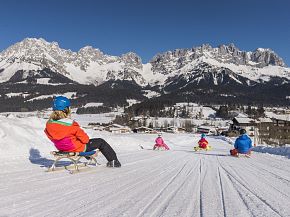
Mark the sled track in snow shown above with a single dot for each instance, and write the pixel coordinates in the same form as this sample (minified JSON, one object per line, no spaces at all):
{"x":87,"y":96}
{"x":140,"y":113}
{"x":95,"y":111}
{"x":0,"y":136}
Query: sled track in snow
{"x":222,"y":192}
{"x":127,"y":187}
{"x":239,"y":182}
{"x":270,"y":172}
{"x":164,"y":204}
{"x":151,"y":183}
{"x":200,"y":187}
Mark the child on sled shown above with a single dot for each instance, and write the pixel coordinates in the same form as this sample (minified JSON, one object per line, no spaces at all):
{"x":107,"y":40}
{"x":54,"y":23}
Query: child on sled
{"x":159,"y":143}
{"x":243,"y":145}
{"x":67,"y":135}
{"x":202,"y":144}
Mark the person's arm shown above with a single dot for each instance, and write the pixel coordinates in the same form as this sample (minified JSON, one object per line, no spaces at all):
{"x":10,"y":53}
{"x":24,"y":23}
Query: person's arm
{"x":80,"y":134}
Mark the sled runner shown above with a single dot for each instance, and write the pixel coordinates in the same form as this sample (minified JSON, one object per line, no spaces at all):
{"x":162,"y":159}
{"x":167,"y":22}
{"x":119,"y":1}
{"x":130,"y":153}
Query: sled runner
{"x":235,"y":153}
{"x":208,"y":148}
{"x":244,"y":155}
{"x":161,"y":148}
{"x":75,"y":158}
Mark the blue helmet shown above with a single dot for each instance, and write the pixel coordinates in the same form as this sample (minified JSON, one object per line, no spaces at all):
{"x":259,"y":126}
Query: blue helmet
{"x":60,"y":103}
{"x":202,"y":135}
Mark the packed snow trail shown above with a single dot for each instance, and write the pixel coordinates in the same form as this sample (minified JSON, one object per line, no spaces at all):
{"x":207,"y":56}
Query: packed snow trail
{"x":179,"y":182}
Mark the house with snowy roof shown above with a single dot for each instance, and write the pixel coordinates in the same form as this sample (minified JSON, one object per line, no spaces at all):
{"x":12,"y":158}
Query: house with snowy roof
{"x":144,"y":129}
{"x":244,"y":123}
{"x":116,"y":128}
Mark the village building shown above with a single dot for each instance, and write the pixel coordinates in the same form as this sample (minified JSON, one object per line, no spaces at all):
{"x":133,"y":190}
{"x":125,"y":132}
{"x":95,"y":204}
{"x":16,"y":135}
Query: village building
{"x":173,"y":129}
{"x":116,"y":128}
{"x":243,"y":123}
{"x":144,"y":129}
{"x":280,"y":131}
{"x":207,"y":130}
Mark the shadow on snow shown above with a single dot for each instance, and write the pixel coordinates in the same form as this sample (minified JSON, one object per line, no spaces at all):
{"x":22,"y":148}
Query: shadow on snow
{"x":36,"y":158}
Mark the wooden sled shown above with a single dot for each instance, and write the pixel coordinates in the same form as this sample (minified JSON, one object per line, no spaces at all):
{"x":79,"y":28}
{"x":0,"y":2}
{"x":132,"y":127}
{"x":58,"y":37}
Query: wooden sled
{"x":159,"y":148}
{"x":235,"y":153}
{"x":197,"y":148}
{"x":244,"y":155}
{"x":75,"y":158}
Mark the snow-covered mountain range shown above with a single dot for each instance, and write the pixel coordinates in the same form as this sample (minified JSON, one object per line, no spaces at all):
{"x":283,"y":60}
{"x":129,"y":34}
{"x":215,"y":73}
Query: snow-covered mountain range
{"x":26,"y":60}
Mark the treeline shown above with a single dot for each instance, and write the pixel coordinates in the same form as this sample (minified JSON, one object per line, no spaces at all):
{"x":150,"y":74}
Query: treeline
{"x":226,"y":111}
{"x":93,"y":110}
{"x":152,"y":107}
{"x":111,"y":94}
{"x":116,"y":93}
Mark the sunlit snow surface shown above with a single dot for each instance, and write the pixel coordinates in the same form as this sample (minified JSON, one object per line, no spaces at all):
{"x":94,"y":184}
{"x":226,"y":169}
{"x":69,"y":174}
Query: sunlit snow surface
{"x":178,"y":182}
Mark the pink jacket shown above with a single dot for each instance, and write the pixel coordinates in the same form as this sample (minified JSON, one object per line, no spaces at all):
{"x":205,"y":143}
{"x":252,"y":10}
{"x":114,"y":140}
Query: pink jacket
{"x":159,"y":141}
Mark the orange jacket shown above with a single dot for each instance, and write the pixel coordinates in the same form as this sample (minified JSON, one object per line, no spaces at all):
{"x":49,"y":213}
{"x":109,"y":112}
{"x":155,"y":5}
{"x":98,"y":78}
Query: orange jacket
{"x":66,"y":135}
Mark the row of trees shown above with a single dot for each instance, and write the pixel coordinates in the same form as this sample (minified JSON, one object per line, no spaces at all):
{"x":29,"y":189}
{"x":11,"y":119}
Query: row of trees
{"x":225,"y":111}
{"x":110,"y":95}
{"x":93,"y":110}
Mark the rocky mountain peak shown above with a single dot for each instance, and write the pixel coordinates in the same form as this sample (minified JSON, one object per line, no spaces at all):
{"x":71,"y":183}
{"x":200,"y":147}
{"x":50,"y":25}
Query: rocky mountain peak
{"x":88,"y":53}
{"x":132,"y":59}
{"x":223,"y":54}
{"x":266,"y":57}
{"x":90,"y":65}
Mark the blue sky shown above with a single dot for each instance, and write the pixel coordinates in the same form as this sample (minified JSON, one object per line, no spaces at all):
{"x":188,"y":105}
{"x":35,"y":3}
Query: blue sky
{"x":148,"y":27}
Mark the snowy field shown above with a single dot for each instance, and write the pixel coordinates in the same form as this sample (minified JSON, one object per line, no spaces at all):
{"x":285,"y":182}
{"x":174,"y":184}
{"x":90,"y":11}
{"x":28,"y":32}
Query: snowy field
{"x":178,"y":182}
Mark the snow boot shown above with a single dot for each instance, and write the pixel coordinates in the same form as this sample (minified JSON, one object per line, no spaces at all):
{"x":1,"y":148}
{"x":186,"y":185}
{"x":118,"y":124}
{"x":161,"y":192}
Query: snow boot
{"x":114,"y":163}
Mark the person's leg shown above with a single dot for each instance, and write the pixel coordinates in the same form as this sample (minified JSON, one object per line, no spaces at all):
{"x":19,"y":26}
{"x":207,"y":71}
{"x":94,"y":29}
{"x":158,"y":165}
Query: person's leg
{"x":165,"y":146}
{"x":103,"y":146}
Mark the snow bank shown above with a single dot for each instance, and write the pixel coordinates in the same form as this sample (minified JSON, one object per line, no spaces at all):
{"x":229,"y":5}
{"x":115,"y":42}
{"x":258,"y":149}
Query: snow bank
{"x":19,"y":135}
{"x":284,"y":151}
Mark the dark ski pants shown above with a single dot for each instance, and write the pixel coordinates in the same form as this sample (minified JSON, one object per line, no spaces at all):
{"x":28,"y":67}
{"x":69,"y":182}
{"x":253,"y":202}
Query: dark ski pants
{"x":103,"y":146}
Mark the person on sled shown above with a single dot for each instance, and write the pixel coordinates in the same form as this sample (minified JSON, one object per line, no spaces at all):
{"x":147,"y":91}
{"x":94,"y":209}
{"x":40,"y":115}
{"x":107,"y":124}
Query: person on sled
{"x":159,"y":143}
{"x":243,"y":144}
{"x":67,"y":135}
{"x":203,"y":143}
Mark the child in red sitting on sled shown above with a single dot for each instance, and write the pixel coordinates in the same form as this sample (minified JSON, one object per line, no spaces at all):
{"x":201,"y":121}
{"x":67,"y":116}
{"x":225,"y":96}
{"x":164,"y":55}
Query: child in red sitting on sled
{"x":203,"y":143}
{"x":159,"y":143}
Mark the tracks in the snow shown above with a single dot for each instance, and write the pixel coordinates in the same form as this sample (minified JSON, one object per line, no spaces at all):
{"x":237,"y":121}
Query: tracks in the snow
{"x":174,"y":183}
{"x":248,"y":195}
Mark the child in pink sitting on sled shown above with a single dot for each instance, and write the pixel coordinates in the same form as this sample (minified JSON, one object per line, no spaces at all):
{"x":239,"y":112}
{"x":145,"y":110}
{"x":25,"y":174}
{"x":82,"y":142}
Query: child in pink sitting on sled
{"x":159,"y":143}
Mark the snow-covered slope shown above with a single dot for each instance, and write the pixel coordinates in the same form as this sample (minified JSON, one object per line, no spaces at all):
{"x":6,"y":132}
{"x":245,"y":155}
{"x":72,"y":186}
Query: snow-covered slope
{"x":178,"y":182}
{"x":91,"y":66}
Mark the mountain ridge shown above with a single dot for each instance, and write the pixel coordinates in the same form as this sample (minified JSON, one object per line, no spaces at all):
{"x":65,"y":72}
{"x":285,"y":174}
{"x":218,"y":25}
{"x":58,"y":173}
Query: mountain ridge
{"x":91,"y":66}
{"x":33,"y":71}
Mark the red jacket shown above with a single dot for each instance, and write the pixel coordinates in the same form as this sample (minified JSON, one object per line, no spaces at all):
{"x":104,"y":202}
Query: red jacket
{"x":203,"y":143}
{"x":66,"y":135}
